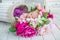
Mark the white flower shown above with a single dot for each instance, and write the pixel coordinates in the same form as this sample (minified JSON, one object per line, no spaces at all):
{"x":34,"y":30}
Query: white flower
{"x":28,"y":19}
{"x":40,"y":21}
{"x":33,"y":23}
{"x":43,"y":18}
{"x":32,"y":19}
{"x":39,"y":17}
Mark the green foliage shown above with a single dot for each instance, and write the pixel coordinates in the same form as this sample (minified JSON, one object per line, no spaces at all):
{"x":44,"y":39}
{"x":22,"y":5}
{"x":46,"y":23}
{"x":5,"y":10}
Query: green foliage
{"x":16,"y":19}
{"x":38,"y":25}
{"x":12,"y":28}
{"x":46,"y":21}
{"x":31,"y":24}
{"x":45,"y":15}
{"x":32,"y":9}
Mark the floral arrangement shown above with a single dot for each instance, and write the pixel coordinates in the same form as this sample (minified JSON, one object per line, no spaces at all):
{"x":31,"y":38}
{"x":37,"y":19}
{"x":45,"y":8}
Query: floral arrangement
{"x":29,"y":23}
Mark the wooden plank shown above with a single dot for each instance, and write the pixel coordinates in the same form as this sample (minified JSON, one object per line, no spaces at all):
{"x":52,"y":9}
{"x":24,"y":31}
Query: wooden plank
{"x":5,"y":34}
{"x":22,"y":38}
{"x":56,"y":32}
{"x":12,"y":36}
{"x":48,"y":36}
{"x":37,"y":38}
{"x":3,"y":29}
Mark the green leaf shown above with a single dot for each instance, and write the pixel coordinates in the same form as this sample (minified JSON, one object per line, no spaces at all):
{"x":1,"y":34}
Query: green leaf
{"x":29,"y":11}
{"x":12,"y":28}
{"x":44,"y":6}
{"x":45,"y":15}
{"x":46,"y":21}
{"x":31,"y":24}
{"x":49,"y":10}
{"x":42,"y":23}
{"x":38,"y":25}
{"x":16,"y":19}
{"x":33,"y":9}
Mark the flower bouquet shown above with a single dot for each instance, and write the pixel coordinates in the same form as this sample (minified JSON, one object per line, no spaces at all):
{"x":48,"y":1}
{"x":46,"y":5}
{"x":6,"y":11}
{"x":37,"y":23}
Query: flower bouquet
{"x":29,"y":23}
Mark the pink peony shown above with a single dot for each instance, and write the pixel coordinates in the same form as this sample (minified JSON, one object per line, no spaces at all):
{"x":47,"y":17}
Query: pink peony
{"x":43,"y":30}
{"x":29,"y":32}
{"x":40,"y":8}
{"x":21,"y":28}
{"x":33,"y":14}
{"x":16,"y":24}
{"x":29,"y":15}
{"x":24,"y":30}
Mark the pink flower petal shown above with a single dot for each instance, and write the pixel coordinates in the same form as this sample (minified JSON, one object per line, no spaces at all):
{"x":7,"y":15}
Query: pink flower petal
{"x":50,"y":16}
{"x":29,"y":32}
